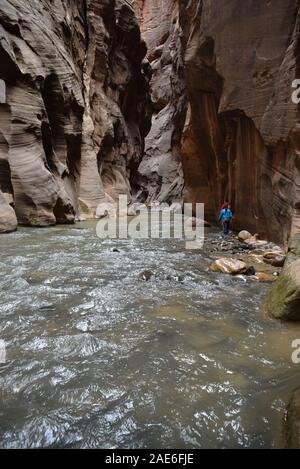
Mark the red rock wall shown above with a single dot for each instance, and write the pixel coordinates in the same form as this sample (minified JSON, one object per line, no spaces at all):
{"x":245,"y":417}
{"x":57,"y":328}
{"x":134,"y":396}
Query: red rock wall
{"x":241,"y":133}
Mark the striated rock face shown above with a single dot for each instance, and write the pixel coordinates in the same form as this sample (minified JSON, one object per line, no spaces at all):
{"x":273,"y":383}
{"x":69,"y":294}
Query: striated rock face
{"x":160,"y":173}
{"x":73,"y":105}
{"x":116,"y":81}
{"x":235,"y":129}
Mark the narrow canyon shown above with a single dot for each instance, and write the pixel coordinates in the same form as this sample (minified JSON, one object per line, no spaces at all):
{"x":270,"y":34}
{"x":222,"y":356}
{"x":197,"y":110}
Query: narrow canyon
{"x":197,"y":108}
{"x":143,"y":343}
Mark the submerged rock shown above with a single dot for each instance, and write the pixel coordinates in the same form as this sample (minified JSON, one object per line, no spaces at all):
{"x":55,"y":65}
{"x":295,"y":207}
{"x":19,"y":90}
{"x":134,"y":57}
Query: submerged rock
{"x":283,"y":301}
{"x":175,"y":278}
{"x":292,"y":422}
{"x":146,"y":275}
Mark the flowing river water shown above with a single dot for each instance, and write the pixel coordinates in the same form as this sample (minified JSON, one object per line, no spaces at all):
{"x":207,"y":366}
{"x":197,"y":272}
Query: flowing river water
{"x":97,"y":358}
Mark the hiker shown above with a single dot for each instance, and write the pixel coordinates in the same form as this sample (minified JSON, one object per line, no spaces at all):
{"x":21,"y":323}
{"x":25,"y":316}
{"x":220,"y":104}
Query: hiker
{"x":225,"y":218}
{"x":224,"y":205}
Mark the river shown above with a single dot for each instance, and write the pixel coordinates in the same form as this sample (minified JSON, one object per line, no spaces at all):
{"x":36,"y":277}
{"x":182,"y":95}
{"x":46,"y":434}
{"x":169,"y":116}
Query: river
{"x":97,"y":358}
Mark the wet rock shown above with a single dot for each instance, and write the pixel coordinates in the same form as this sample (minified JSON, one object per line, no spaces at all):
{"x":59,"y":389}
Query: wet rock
{"x":246,"y":247}
{"x":293,"y":249}
{"x":250,"y":271}
{"x":292,"y":422}
{"x":283,"y":302}
{"x":244,"y":235}
{"x":255,"y":242}
{"x":258,"y":252}
{"x":146,"y":275}
{"x":8,"y":219}
{"x":264,"y":277}
{"x":278,"y":261}
{"x":272,"y":258}
{"x":229,"y":266}
{"x":116,"y":250}
{"x":175,"y":278}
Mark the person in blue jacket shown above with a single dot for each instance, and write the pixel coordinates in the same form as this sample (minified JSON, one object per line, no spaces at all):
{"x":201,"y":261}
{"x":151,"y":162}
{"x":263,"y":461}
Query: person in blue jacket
{"x":225,"y":218}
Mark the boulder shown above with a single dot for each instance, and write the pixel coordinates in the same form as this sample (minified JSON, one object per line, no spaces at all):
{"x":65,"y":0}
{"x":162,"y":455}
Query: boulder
{"x":252,"y":240}
{"x":8,"y":219}
{"x":283,"y":302}
{"x":293,"y":249}
{"x":229,"y":266}
{"x":278,"y":261}
{"x":263,"y":277}
{"x":274,"y":259}
{"x":244,"y":235}
{"x":146,"y":276}
{"x":292,"y":422}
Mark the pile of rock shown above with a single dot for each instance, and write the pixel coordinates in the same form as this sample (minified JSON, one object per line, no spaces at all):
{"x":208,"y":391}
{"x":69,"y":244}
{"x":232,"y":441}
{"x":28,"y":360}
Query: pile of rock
{"x":255,"y":258}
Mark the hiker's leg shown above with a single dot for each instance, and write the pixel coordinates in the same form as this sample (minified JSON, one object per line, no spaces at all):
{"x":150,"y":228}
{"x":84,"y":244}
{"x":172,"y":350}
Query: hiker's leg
{"x":224,"y":227}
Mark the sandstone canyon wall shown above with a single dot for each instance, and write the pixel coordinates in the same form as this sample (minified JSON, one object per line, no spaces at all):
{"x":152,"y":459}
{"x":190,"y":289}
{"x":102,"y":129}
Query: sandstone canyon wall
{"x":224,"y":120}
{"x":73,"y":107}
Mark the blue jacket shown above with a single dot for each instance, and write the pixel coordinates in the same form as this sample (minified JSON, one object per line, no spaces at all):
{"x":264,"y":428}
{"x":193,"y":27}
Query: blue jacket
{"x":226,"y":214}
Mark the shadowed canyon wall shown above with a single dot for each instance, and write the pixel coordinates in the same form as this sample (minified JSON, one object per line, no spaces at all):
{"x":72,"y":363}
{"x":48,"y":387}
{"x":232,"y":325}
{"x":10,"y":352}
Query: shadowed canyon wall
{"x":221,"y":87}
{"x":73,"y":107}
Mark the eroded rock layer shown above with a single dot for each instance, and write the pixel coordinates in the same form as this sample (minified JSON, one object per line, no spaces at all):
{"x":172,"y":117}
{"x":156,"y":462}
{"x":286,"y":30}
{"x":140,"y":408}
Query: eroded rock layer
{"x":222,"y":86}
{"x":73,"y":105}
